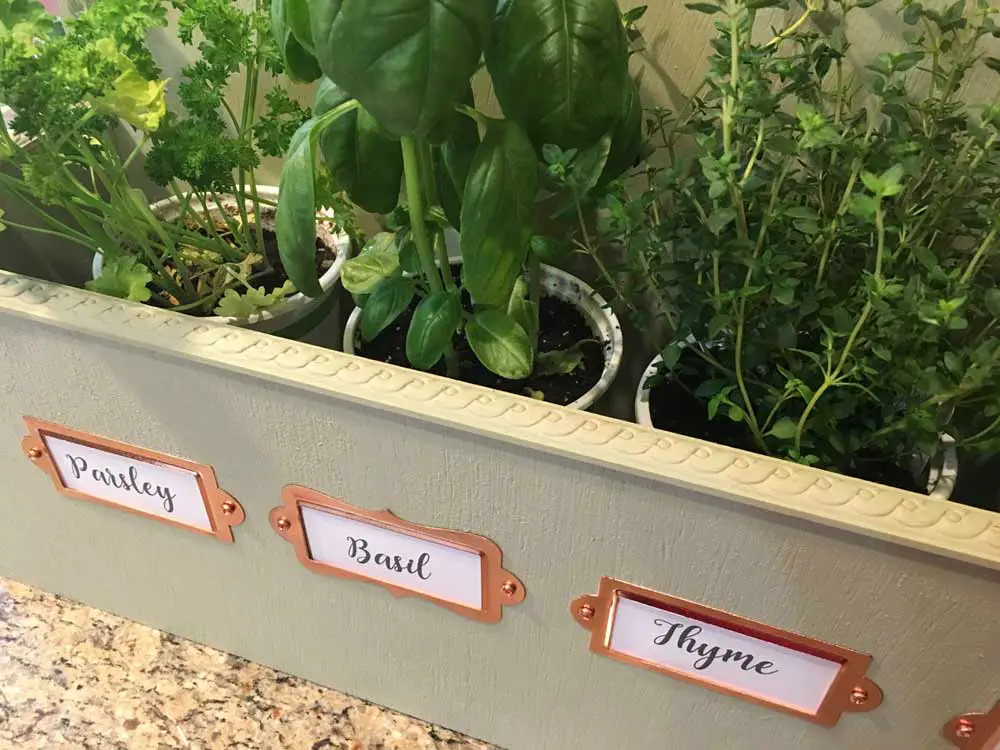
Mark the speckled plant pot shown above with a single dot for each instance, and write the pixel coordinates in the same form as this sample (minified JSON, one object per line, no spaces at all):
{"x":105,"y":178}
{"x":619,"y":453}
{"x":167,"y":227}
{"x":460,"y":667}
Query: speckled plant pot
{"x":298,"y":314}
{"x":567,"y":287}
{"x":941,"y":478}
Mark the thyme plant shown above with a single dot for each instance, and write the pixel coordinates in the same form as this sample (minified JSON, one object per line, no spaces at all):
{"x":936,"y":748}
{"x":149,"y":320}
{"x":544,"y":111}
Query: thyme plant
{"x":822,"y":244}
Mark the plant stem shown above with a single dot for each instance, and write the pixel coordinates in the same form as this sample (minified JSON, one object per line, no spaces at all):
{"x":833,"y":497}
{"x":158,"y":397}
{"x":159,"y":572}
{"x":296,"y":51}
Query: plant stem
{"x":986,"y":244}
{"x":473,"y":114}
{"x":982,"y":433}
{"x":845,"y":202}
{"x":431,"y":191}
{"x":793,"y":28}
{"x":79,"y":240}
{"x":414,"y":196}
{"x":831,"y":378}
{"x":729,"y":103}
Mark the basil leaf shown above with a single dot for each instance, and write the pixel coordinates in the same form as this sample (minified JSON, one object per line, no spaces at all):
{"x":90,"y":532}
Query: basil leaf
{"x":626,"y":139}
{"x":500,"y":344}
{"x":498,"y":212}
{"x":297,"y":18}
{"x":377,"y":261}
{"x":523,"y":311}
{"x":386,"y":303}
{"x":406,"y":61}
{"x":560,"y":67}
{"x":300,"y":65}
{"x":363,"y":162}
{"x":550,"y":250}
{"x":434,"y":323}
{"x":454,"y":160}
{"x":295,"y":220}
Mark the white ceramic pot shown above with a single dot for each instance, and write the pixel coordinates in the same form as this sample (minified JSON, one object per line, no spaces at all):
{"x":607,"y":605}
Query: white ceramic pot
{"x":941,"y":477}
{"x":567,"y":287}
{"x":297,"y":314}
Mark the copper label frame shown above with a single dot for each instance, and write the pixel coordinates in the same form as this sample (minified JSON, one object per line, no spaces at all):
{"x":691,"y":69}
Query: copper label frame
{"x":850,"y":691}
{"x":223,"y":510}
{"x":975,"y":731}
{"x":500,"y":587}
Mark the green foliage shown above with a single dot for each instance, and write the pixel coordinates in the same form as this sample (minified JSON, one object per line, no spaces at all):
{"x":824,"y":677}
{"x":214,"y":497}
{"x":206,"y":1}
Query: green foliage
{"x":22,"y":23}
{"x":821,"y":244}
{"x":386,"y":303}
{"x":212,"y":147}
{"x":131,"y":97}
{"x":379,"y":260}
{"x":500,"y":344}
{"x":73,"y":81}
{"x":252,"y":302}
{"x":559,"y":68}
{"x":123,"y":277}
{"x":407,"y":67}
{"x":363,"y":162}
{"x":497,"y":212}
{"x":562,"y":362}
{"x":454,"y":160}
{"x":295,"y":223}
{"x":435,"y":321}
{"x":406,"y":61}
{"x":287,"y":18}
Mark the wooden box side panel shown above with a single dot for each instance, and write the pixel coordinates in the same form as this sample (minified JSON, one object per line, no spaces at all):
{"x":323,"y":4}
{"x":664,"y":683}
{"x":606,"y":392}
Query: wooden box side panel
{"x":529,"y":681}
{"x":862,"y":507}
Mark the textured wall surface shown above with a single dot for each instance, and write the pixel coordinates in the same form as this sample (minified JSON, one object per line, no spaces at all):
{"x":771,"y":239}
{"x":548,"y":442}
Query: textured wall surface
{"x":528,"y":682}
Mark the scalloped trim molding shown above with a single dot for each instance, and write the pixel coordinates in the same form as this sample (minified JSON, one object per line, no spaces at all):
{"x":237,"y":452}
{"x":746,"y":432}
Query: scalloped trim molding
{"x":937,"y":526}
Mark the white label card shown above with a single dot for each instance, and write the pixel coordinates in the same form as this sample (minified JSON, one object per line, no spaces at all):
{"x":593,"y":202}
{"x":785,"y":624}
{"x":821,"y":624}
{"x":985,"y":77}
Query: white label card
{"x":146,"y":486}
{"x":432,"y":569}
{"x":724,"y":657}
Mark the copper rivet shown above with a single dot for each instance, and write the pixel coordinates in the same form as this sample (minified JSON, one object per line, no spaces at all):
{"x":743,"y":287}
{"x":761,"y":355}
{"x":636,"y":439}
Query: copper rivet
{"x":586,"y":611}
{"x":859,"y":696}
{"x":509,"y":588}
{"x":34,"y":454}
{"x":284,"y":524}
{"x":228,"y":507}
{"x":965,"y":729}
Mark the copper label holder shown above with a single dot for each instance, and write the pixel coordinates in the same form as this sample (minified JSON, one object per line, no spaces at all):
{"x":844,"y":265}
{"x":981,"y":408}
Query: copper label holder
{"x":975,"y":731}
{"x":460,"y":571}
{"x":615,"y":618}
{"x":118,"y":475}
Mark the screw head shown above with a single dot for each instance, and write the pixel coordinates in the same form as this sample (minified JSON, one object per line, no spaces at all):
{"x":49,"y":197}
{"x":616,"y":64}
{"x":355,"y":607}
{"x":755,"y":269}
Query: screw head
{"x":965,"y":729}
{"x":586,"y":612}
{"x":228,"y":507}
{"x":34,"y":454}
{"x":284,"y":524}
{"x":859,"y":696}
{"x":509,"y":588}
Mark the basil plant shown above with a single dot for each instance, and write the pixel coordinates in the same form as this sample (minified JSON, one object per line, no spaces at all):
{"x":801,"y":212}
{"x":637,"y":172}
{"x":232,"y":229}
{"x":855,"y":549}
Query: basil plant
{"x":395,"y":108}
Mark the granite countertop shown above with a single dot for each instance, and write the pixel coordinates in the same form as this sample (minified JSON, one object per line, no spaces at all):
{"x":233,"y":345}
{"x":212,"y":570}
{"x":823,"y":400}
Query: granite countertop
{"x":76,"y":677}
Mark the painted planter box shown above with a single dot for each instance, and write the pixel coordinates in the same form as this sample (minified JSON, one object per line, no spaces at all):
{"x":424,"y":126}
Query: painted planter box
{"x":571,"y":498}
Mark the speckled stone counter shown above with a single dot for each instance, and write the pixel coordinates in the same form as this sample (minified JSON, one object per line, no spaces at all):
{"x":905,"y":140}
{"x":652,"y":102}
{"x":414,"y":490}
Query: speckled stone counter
{"x":75,"y":677}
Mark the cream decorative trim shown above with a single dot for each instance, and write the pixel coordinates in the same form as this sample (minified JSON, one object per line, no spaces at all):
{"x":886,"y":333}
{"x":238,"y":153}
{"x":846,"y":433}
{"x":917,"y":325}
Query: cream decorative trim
{"x":937,"y":526}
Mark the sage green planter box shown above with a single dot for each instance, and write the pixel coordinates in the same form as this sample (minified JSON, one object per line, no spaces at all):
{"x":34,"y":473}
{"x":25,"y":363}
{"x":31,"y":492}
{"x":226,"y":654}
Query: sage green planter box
{"x":569,"y":497}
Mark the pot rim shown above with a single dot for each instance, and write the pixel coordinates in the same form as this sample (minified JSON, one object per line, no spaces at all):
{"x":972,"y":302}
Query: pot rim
{"x":591,"y":304}
{"x":292,"y":306}
{"x":941,"y":479}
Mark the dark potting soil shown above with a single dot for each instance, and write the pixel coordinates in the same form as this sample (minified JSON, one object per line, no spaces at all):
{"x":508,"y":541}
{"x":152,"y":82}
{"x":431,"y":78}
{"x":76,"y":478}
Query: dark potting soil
{"x":674,"y":408}
{"x":561,"y":326}
{"x":270,"y":279}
